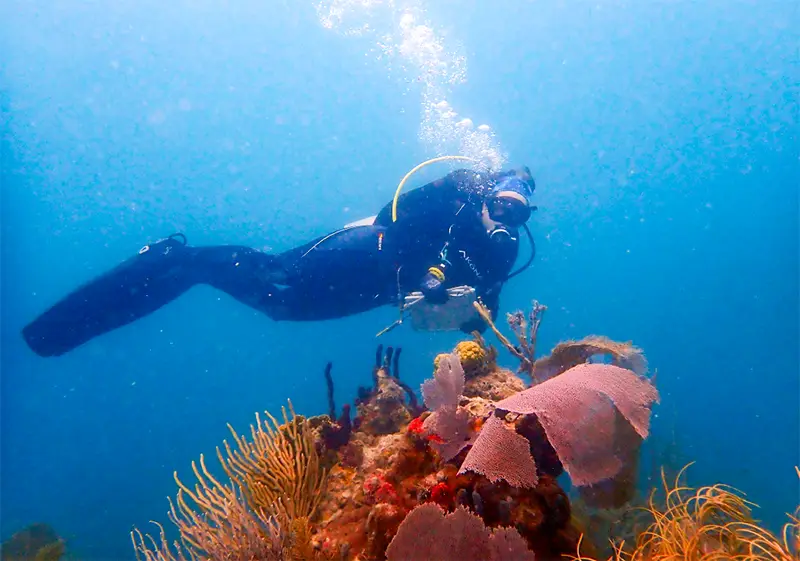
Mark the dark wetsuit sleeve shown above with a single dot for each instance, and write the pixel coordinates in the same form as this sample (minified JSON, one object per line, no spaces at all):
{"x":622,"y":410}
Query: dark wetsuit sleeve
{"x":476,"y":259}
{"x":439,"y":194}
{"x":505,"y":248}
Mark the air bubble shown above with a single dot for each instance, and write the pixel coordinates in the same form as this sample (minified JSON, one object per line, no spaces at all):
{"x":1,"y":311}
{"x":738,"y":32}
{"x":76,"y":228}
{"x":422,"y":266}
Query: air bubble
{"x":465,"y":123}
{"x":404,"y":39}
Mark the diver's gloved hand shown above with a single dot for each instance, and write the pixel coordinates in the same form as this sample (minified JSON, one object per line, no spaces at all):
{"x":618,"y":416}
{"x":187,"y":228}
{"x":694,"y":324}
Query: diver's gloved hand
{"x":432,"y":286}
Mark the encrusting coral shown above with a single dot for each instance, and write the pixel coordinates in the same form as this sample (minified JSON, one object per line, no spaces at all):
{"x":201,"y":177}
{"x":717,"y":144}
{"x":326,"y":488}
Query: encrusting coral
{"x":475,"y":358}
{"x":390,"y":404}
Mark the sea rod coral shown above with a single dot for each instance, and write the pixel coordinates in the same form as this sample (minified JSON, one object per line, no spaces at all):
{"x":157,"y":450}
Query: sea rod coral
{"x":714,"y":522}
{"x":262,"y":513}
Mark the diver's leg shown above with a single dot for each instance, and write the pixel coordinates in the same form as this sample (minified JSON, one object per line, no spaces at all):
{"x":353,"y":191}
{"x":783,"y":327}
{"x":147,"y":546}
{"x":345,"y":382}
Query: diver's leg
{"x":133,"y":289}
{"x":341,"y":274}
{"x":248,"y":275}
{"x":145,"y":282}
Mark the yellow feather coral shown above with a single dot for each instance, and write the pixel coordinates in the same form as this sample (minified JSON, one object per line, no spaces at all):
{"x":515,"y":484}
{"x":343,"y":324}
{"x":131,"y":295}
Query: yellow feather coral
{"x":263,"y":512}
{"x":279,"y":470}
{"x":713,"y":522}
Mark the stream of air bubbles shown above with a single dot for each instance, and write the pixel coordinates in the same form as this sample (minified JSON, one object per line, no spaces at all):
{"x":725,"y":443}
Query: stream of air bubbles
{"x":401,"y":35}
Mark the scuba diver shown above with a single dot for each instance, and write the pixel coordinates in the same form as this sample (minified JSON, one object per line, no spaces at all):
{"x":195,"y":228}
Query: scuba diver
{"x":460,"y":230}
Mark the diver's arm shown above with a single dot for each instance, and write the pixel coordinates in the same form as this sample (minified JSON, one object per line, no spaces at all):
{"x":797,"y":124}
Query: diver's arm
{"x":467,"y":259}
{"x":461,"y":183}
{"x":489,"y":287}
{"x":479,"y":262}
{"x":435,"y":282}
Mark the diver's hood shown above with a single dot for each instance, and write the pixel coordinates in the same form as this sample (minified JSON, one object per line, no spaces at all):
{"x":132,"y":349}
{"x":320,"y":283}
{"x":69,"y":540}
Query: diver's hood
{"x":515,"y":187}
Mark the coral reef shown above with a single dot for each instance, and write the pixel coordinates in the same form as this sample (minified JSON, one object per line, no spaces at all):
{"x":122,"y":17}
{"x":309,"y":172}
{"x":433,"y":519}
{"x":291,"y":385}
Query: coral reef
{"x":470,"y":474}
{"x":390,"y":404}
{"x":37,"y":542}
{"x":487,"y":445}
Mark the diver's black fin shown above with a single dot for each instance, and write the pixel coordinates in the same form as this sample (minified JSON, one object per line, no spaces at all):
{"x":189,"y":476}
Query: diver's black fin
{"x":140,"y":285}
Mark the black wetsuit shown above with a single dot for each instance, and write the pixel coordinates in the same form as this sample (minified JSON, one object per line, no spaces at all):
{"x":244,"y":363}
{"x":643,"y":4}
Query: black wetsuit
{"x":346,"y":272}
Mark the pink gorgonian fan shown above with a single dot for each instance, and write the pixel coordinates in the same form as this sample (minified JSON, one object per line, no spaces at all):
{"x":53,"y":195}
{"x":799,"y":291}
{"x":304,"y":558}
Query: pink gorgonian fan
{"x":578,"y":411}
{"x":447,"y":421}
{"x":431,"y":534}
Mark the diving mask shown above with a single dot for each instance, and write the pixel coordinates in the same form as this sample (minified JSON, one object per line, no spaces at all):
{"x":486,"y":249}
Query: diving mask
{"x":509,"y":211}
{"x":508,"y":202}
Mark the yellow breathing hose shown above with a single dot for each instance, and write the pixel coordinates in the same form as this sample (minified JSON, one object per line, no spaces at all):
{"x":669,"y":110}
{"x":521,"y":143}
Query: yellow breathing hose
{"x":415,"y":170}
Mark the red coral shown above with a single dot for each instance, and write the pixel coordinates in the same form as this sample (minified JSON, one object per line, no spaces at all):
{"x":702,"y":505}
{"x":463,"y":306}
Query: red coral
{"x":386,"y":493}
{"x":435,"y":438}
{"x":372,"y":484}
{"x":441,"y":494}
{"x":416,"y":426}
{"x":420,"y":428}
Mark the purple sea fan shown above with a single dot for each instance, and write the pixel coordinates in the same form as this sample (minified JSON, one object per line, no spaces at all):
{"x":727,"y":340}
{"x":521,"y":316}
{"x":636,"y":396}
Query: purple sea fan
{"x":501,"y":453}
{"x":447,"y":385}
{"x":578,"y":411}
{"x":447,"y":420}
{"x":428,"y":533}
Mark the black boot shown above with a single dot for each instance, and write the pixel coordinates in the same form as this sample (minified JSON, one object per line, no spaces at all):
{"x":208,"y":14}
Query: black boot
{"x":140,"y":285}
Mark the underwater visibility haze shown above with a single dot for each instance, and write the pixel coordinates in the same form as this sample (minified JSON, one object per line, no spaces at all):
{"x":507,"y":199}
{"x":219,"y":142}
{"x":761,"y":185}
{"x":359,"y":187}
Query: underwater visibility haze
{"x":663,"y":141}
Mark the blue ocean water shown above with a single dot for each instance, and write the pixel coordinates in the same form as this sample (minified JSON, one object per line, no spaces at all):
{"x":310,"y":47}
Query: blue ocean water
{"x":662,"y":136}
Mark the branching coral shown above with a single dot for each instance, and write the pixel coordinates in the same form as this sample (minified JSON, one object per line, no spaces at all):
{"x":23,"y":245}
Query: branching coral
{"x":522,"y":352}
{"x":565,"y":355}
{"x":218,"y":527}
{"x":712,"y":522}
{"x":527,"y":330}
{"x":279,"y":470}
{"x":262,"y":513}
